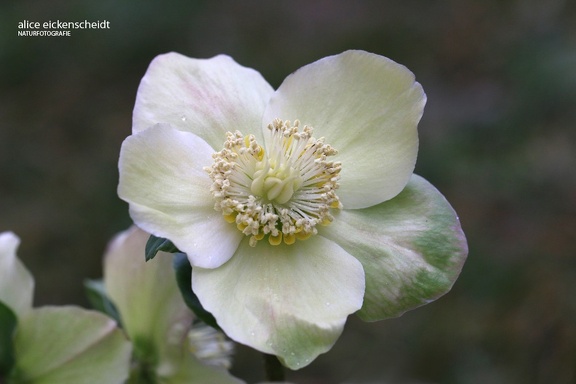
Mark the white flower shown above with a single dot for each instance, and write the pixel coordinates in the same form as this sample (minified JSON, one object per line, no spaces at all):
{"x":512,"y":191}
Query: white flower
{"x":56,"y":345}
{"x":167,"y":346}
{"x":296,"y":207}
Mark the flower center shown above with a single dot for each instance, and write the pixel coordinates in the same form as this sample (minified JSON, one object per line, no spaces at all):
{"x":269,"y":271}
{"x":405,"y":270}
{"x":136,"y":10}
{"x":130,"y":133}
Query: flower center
{"x":281,"y":192}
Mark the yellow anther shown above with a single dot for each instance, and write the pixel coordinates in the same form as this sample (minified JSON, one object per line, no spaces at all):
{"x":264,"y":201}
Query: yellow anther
{"x":336,"y":204}
{"x":260,"y":154}
{"x":275,"y":240}
{"x":289,"y":238}
{"x":302,"y":235}
{"x":231,"y":218}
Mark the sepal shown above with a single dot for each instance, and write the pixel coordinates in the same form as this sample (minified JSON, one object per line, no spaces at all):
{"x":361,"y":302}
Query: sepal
{"x":157,"y":244}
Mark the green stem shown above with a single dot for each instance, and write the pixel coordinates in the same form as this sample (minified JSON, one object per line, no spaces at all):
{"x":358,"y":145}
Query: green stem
{"x":273,"y":367}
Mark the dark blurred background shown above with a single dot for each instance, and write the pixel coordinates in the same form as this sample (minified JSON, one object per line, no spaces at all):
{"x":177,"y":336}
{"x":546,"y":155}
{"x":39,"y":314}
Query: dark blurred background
{"x":498,"y":138}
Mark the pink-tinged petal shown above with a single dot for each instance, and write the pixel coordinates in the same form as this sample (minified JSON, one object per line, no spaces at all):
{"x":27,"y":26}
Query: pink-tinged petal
{"x":207,"y":97}
{"x":290,"y":301}
{"x":368,"y":108}
{"x":16,"y":282}
{"x":412,"y":248}
{"x":163,"y":180}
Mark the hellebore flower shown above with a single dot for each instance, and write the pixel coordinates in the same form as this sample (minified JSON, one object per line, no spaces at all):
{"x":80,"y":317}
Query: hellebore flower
{"x":296,"y":207}
{"x":168,"y":349}
{"x":53,"y":345}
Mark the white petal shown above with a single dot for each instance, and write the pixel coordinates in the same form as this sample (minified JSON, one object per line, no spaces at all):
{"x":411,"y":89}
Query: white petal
{"x":291,"y":301}
{"x":55,"y":345}
{"x":205,"y":96}
{"x":368,"y":108}
{"x":412,"y":248}
{"x":163,"y":180}
{"x":16,"y":282}
{"x":145,"y":293}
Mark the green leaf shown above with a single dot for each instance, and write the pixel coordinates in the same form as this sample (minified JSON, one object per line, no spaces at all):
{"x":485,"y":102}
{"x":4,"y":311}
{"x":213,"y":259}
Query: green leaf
{"x":98,"y":298}
{"x":184,"y":279}
{"x":8,"y":322}
{"x":156,"y":244}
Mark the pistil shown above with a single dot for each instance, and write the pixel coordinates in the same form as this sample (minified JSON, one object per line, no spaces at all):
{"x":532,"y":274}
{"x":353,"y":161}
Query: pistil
{"x":281,"y":192}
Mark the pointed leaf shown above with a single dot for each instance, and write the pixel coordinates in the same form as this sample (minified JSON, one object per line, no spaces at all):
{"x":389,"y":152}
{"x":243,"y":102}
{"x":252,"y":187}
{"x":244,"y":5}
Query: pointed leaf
{"x":184,"y":278}
{"x":8,"y":322}
{"x":96,"y":293}
{"x":156,"y":244}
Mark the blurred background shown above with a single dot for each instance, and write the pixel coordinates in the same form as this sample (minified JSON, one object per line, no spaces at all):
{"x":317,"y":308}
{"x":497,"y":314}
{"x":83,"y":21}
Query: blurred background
{"x":498,"y":138}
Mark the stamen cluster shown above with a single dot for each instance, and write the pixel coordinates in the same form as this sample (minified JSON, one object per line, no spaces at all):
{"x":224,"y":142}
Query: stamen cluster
{"x":283,"y":193}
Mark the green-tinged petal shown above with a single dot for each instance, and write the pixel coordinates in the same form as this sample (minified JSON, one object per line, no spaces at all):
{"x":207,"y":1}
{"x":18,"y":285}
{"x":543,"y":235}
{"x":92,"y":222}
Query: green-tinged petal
{"x":16,"y":282}
{"x":412,"y":248}
{"x":146,"y":295}
{"x":205,"y":96}
{"x":190,"y":370}
{"x":55,"y":345}
{"x":368,"y":108}
{"x":163,"y":180}
{"x":290,"y":301}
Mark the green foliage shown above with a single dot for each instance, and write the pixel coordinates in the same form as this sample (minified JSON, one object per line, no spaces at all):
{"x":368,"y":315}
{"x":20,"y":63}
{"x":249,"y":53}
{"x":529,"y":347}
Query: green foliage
{"x":184,"y":279}
{"x":8,"y":323}
{"x":96,"y":294}
{"x":157,"y":244}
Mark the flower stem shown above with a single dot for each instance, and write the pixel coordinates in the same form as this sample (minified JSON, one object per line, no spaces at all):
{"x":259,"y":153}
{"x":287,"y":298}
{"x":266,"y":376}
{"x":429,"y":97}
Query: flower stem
{"x":273,"y":367}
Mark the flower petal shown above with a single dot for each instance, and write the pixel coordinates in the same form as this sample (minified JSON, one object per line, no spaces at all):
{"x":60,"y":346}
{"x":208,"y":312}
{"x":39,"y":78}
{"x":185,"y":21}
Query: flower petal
{"x":145,"y":293}
{"x":16,"y":282}
{"x":291,"y":301}
{"x":368,"y":108}
{"x":412,"y":249}
{"x":205,"y":96}
{"x":57,"y":345}
{"x":190,"y":370}
{"x":163,"y":180}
